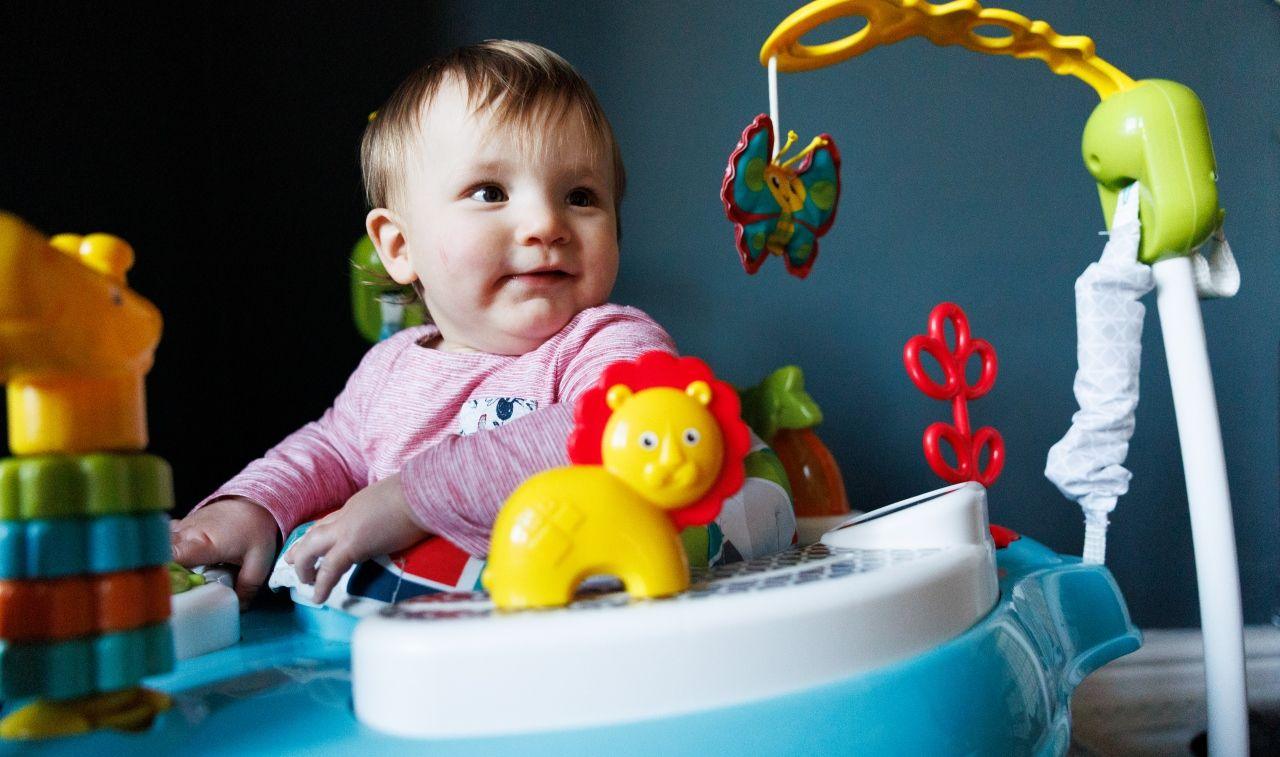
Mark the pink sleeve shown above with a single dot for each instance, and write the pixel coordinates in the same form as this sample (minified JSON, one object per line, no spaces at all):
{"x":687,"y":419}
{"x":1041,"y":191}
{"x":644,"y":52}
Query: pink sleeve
{"x":612,"y":334}
{"x":456,"y":488}
{"x":319,"y":466}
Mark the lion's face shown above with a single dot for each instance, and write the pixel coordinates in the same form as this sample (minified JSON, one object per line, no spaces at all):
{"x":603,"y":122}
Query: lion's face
{"x":663,"y":442}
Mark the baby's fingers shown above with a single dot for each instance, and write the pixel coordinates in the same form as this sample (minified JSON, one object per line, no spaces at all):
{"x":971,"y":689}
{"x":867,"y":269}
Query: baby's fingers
{"x":253,"y":571}
{"x":303,"y":554}
{"x":332,"y":566}
{"x":192,"y":549}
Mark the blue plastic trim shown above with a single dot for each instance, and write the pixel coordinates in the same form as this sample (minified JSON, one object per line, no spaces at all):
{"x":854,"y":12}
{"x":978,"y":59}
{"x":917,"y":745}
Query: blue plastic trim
{"x":328,"y":623}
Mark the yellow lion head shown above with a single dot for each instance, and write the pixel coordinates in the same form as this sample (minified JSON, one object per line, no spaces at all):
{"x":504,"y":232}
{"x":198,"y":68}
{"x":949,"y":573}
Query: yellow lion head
{"x":663,"y":442}
{"x":667,"y":428}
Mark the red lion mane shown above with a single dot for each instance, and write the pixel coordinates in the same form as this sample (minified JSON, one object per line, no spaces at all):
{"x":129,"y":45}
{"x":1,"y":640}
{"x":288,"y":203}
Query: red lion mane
{"x":660,"y":369}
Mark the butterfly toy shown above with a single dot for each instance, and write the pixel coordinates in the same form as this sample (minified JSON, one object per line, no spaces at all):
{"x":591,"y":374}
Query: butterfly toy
{"x":780,"y":205}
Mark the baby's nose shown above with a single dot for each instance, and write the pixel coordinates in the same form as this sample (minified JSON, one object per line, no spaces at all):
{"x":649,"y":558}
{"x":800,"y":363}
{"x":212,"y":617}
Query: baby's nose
{"x":543,"y":224}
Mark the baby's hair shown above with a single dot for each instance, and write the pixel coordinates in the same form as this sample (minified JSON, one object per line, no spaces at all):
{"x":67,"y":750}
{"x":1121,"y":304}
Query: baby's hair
{"x":519,"y":83}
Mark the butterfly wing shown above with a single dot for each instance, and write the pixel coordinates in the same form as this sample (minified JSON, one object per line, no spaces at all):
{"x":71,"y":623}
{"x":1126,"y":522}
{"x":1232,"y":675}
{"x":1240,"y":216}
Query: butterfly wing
{"x":802,"y":250}
{"x":820,"y":175}
{"x":747,"y":201}
{"x":751,"y":238}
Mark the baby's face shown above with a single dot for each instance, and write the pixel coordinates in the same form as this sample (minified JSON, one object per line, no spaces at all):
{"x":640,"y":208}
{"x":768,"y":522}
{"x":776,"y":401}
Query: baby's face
{"x":510,"y":240}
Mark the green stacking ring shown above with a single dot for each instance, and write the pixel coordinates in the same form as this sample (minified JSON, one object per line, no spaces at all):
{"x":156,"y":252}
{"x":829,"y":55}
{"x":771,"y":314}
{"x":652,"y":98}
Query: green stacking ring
{"x":59,"y":486}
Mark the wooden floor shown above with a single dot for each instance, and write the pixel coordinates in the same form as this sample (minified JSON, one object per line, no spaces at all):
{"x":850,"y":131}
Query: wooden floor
{"x":1152,"y":701}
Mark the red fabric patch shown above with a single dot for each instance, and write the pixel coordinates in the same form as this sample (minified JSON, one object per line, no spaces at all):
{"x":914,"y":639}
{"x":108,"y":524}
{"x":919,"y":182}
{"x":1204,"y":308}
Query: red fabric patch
{"x":434,"y":559}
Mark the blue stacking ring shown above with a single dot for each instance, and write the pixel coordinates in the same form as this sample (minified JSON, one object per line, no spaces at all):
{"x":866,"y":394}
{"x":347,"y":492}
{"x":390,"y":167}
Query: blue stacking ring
{"x":78,"y":667}
{"x":55,"y":547}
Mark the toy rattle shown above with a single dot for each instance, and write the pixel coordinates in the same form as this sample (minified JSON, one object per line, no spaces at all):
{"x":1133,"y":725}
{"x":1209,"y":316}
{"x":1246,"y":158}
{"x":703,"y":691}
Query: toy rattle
{"x":657,"y":446}
{"x":780,"y":206}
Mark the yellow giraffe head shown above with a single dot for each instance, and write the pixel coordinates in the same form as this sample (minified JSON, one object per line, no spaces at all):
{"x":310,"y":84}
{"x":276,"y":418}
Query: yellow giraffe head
{"x":75,"y":342}
{"x":104,"y":253}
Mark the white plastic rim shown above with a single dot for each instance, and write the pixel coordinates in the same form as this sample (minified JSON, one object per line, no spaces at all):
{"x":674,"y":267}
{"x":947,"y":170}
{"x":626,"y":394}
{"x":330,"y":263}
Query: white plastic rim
{"x":501,"y":674}
{"x":954,"y":515}
{"x":452,"y":666}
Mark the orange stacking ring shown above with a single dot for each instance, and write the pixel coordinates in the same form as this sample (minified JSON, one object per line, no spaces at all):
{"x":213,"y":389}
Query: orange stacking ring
{"x":66,"y":608}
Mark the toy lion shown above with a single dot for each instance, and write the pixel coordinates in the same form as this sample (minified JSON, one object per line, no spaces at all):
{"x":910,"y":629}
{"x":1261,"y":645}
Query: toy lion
{"x":657,"y":446}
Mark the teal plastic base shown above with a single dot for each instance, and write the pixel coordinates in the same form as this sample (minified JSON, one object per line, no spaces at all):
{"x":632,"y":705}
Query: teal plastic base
{"x":326,"y":623}
{"x":1001,"y":688}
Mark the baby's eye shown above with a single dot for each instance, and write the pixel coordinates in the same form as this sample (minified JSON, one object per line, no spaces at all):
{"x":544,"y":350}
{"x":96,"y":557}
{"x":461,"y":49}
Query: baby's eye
{"x":581,"y":197}
{"x":649,"y":440}
{"x":489,"y":193}
{"x":692,"y":436}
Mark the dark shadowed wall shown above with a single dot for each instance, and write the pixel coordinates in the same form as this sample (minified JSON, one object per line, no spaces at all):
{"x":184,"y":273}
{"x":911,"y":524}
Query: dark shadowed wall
{"x":222,"y":144}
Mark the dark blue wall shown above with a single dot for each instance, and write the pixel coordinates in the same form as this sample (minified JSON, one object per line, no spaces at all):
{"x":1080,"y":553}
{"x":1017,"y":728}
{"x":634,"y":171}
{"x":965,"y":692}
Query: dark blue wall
{"x":962,"y":181}
{"x":221,"y":141}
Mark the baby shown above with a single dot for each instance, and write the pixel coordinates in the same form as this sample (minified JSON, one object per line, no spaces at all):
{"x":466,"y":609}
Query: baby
{"x":495,"y":183}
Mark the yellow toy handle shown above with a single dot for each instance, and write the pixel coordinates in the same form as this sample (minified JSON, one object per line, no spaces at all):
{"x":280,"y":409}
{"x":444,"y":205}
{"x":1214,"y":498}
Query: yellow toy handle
{"x":956,"y":23}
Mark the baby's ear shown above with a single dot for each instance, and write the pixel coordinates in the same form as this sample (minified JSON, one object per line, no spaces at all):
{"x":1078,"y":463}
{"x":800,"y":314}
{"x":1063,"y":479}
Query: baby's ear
{"x":387,"y":233}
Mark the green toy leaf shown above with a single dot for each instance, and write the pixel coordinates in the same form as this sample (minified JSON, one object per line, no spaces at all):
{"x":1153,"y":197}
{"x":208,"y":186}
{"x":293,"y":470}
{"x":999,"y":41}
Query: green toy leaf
{"x":779,"y":402}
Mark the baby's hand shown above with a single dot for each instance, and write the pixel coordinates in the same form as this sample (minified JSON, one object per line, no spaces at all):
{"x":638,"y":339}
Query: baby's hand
{"x":373,"y":522}
{"x":233,"y":530}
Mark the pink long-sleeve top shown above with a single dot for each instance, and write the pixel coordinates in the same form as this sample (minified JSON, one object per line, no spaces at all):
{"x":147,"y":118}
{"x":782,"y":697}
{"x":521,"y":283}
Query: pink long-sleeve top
{"x":414,"y":410}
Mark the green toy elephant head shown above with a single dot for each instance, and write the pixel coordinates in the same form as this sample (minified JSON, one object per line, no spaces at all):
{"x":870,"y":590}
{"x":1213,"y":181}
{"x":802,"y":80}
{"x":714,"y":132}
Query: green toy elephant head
{"x":1156,"y":133}
{"x":379,"y":305}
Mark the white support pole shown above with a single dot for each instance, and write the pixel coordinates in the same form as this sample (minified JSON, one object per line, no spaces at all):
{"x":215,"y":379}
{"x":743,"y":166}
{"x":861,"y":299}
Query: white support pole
{"x":1212,"y":534}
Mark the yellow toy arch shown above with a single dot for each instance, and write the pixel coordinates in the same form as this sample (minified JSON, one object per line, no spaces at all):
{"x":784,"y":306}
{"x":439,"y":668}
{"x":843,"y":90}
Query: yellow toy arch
{"x":956,"y":23}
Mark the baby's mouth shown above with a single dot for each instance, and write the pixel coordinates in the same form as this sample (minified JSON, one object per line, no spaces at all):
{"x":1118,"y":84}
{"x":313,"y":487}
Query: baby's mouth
{"x":542,"y":277}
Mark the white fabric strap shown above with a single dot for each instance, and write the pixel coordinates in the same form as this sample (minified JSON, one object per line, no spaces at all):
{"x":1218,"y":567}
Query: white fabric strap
{"x":1216,"y":274}
{"x":1087,"y":464}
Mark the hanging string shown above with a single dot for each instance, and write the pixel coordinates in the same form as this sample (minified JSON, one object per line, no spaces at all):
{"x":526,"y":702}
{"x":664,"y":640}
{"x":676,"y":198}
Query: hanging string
{"x":773,"y":102}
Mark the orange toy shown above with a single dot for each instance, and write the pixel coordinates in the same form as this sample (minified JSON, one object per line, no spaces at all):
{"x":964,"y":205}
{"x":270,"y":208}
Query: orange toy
{"x":75,"y":346}
{"x":783,"y":414}
{"x":817,"y":488}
